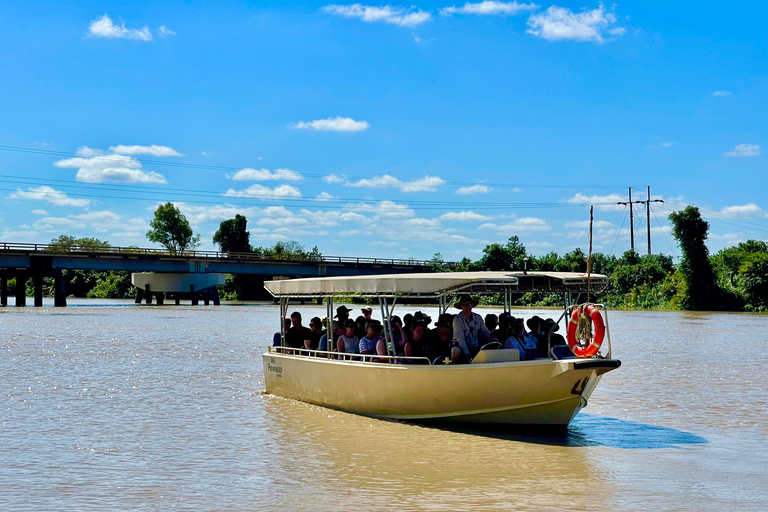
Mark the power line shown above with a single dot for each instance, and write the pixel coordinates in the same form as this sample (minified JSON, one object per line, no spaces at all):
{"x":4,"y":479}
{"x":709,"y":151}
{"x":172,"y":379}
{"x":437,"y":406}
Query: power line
{"x":121,"y":158}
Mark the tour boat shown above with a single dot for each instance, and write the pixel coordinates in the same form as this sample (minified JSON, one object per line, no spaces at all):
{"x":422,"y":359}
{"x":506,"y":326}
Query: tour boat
{"x":497,"y":387}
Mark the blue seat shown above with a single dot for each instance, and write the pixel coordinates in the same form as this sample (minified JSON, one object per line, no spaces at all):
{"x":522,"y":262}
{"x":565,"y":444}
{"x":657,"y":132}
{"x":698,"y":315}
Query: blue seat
{"x":561,"y":352}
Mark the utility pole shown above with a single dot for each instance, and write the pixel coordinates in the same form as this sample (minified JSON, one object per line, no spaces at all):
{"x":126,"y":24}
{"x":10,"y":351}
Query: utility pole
{"x":631,"y":220}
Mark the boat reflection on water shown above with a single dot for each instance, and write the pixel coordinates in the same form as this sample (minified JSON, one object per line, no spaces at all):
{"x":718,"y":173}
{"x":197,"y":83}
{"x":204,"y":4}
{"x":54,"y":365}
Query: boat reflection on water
{"x":341,"y":461}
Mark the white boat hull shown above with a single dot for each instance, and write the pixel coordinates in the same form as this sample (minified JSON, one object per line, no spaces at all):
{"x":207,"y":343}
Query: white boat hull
{"x":542,"y":392}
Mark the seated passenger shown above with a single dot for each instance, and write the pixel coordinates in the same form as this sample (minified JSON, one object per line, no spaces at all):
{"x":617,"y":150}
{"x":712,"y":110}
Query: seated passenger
{"x":349,"y":343}
{"x":537,"y":337}
{"x":491,"y":322}
{"x":360,"y":328}
{"x":277,"y":338}
{"x":439,"y":339}
{"x":469,"y":331}
{"x":399,"y":337}
{"x":417,"y":345}
{"x":367,"y":312}
{"x":323,"y":345}
{"x":419,"y":316}
{"x":408,"y":323}
{"x":297,"y":334}
{"x":342,"y":314}
{"x":369,"y":342}
{"x":502,"y":331}
{"x":316,"y":326}
{"x":555,"y":339}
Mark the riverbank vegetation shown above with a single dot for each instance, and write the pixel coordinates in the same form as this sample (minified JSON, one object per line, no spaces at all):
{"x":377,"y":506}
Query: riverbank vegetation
{"x":733,"y":279}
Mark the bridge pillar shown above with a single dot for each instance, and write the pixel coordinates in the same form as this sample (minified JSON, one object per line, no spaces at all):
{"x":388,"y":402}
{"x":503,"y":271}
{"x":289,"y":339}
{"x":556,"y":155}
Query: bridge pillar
{"x":38,"y":291}
{"x":195,"y":299}
{"x":3,"y":290}
{"x":160,"y":297}
{"x":148,"y":294}
{"x":21,"y":290}
{"x":139,"y":296}
{"x":177,"y":299}
{"x":216,"y":300}
{"x":59,"y":290}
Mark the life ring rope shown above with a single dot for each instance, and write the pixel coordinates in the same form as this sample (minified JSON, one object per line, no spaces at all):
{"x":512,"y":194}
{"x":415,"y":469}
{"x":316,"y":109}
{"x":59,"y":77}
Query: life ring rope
{"x":580,"y":324}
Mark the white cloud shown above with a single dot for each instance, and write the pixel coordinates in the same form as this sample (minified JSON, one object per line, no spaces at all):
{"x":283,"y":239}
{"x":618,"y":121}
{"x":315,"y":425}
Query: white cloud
{"x":50,"y":195}
{"x":324,"y":196}
{"x":747,"y":210}
{"x":721,"y":93}
{"x":93,"y":166}
{"x":519,"y":225}
{"x":282,"y":221}
{"x":262,"y":192}
{"x":332,"y":124}
{"x":21,"y":236}
{"x":665,"y":144}
{"x":386,"y":14}
{"x":474,"y":189}
{"x":559,"y":23}
{"x":585,"y":224}
{"x":102,"y":221}
{"x":467,"y":216}
{"x":745,"y":150}
{"x":428,"y":223}
{"x":425,"y":184}
{"x":196,"y":214}
{"x":153,"y":150}
{"x":269,"y":237}
{"x":104,"y":27}
{"x":39,"y":212}
{"x":332,"y":178}
{"x":389,"y":209}
{"x":606,"y":203}
{"x":165,"y":31}
{"x":490,"y":7}
{"x":265,"y":175}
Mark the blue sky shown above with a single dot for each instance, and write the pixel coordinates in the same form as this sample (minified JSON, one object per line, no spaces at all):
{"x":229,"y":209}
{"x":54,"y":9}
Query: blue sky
{"x":383,"y":129}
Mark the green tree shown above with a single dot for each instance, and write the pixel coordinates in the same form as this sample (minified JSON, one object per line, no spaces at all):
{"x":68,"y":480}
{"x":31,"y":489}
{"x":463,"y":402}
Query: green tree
{"x":70,"y":243}
{"x":498,"y":257}
{"x":171,"y":228}
{"x":233,"y":236}
{"x":690,"y":231}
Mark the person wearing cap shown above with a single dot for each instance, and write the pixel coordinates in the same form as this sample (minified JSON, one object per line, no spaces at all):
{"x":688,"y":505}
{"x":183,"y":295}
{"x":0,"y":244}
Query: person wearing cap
{"x":469,"y":331}
{"x":367,"y":311}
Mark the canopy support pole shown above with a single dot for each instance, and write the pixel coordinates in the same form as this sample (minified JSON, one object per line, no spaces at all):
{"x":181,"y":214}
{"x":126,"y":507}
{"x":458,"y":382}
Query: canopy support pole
{"x":387,"y":332}
{"x":283,"y":313}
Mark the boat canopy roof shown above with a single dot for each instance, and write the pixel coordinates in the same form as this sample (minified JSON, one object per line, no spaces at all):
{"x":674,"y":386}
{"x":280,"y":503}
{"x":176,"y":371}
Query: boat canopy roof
{"x":435,"y":284}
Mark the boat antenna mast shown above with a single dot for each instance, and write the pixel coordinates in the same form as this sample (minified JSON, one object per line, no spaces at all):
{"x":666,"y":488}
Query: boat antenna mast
{"x":589,"y":257}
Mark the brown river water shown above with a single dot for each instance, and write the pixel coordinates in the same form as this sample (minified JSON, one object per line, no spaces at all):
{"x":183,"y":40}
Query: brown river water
{"x":111,"y":406}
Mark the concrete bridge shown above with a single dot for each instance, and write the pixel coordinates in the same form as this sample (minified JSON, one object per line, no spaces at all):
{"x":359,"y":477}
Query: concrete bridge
{"x":36,"y":261}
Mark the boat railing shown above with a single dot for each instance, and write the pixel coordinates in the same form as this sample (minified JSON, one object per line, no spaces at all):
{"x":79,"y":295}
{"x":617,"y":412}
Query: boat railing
{"x":357,"y":358}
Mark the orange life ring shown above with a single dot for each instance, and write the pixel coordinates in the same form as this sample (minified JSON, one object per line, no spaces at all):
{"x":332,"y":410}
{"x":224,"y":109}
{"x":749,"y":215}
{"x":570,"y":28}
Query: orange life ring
{"x":596,"y":319}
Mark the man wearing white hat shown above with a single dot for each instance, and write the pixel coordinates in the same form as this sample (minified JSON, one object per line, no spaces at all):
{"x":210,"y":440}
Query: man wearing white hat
{"x":469,"y":331}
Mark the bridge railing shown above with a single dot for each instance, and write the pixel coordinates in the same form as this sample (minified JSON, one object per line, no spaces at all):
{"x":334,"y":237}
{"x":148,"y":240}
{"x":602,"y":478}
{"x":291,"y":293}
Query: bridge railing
{"x":241,"y":256}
